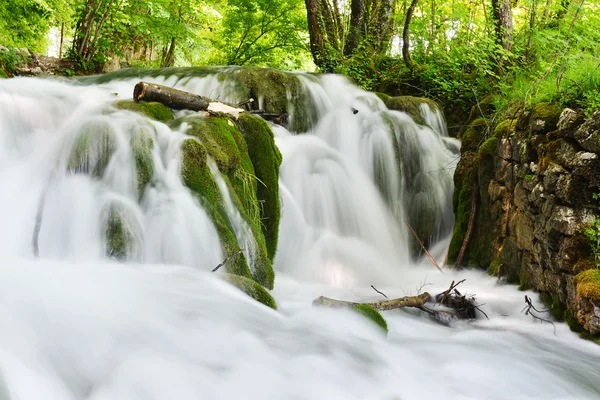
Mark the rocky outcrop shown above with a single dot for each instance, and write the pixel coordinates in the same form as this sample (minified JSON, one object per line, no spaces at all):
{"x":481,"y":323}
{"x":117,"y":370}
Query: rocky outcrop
{"x":533,"y":177}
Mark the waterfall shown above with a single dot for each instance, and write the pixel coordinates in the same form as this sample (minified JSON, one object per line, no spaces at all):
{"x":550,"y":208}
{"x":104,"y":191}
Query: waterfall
{"x":147,"y":320}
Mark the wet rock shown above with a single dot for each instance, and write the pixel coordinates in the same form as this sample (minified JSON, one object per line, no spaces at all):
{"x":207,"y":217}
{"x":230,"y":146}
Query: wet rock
{"x":567,"y":220}
{"x":524,"y":232}
{"x":496,"y":191}
{"x":552,"y":174}
{"x":521,"y":196}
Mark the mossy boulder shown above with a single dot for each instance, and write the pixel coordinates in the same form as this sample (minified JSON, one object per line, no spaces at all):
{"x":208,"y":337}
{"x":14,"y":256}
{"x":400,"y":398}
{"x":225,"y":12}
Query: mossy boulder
{"x":92,"y":149}
{"x":544,"y":117}
{"x":153,"y":110}
{"x":474,"y":135}
{"x":142,"y":144}
{"x":246,"y":157}
{"x":372,"y":315}
{"x":252,"y":289}
{"x":410,"y":105}
{"x":588,"y":284}
{"x":122,"y":233}
{"x":266,"y":159}
{"x":276,"y":92}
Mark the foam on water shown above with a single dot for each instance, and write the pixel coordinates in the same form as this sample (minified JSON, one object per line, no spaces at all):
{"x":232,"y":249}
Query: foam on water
{"x":77,"y":325}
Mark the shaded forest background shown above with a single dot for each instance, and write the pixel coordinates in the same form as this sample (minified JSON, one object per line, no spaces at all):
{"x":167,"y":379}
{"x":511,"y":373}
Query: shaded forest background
{"x":494,"y":54}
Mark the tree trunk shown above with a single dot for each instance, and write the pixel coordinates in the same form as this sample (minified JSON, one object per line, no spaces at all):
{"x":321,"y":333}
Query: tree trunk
{"x":406,"y":35}
{"x":357,"y":16}
{"x":503,"y":23}
{"x":317,"y":41}
{"x":62,"y":38}
{"x":169,"y":57}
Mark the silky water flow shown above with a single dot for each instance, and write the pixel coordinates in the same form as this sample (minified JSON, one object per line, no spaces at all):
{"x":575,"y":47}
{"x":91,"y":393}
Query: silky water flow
{"x":79,"y":325}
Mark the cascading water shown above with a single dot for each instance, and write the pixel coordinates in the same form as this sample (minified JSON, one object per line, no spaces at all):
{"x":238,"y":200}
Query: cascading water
{"x":79,"y":325}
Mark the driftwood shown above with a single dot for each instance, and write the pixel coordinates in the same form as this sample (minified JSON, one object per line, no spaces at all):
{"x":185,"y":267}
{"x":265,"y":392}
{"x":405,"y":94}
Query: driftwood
{"x":445,"y":307}
{"x":408,"y":301}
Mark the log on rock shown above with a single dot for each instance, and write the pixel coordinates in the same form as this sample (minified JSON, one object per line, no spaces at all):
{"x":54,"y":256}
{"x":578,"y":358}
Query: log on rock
{"x":180,"y":100}
{"x":172,"y":98}
{"x":408,"y":301}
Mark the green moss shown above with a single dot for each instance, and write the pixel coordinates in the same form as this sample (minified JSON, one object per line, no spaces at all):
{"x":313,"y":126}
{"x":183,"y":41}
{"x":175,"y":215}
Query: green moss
{"x":142,"y":144}
{"x":505,"y":128}
{"x":474,"y":135}
{"x":92,"y":149}
{"x":547,"y":112}
{"x":195,"y":174}
{"x":493,"y":269}
{"x":122,"y":238}
{"x":266,"y":159}
{"x":524,"y":281}
{"x":153,"y":110}
{"x":3,"y":74}
{"x":557,"y":309}
{"x":252,"y":289}
{"x":373,"y":315}
{"x":488,"y":148}
{"x":384,"y":97}
{"x":464,"y":184}
{"x":410,"y":105}
{"x":249,"y":162}
{"x":276,"y":92}
{"x":588,"y":283}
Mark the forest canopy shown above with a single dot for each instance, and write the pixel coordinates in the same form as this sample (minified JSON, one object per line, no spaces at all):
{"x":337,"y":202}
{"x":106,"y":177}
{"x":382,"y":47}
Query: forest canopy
{"x":460,"y":53}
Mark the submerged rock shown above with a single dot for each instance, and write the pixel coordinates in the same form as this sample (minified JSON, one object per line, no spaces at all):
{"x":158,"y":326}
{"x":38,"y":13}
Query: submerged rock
{"x":252,"y":289}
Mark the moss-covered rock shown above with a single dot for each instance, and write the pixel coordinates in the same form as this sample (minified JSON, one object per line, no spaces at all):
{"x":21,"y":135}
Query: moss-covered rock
{"x":464,"y":184}
{"x":92,"y":149}
{"x":153,"y":110}
{"x":122,"y":234}
{"x":142,"y":144}
{"x":588,"y":283}
{"x":276,"y":92}
{"x":383,"y":97}
{"x":544,"y":117}
{"x":266,"y":159}
{"x":410,"y":105}
{"x":372,"y":315}
{"x":252,"y":289}
{"x":248,"y":161}
{"x":474,"y":135}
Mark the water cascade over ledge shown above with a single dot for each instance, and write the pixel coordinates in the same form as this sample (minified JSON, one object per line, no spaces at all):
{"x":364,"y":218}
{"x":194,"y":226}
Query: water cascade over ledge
{"x":106,"y":253}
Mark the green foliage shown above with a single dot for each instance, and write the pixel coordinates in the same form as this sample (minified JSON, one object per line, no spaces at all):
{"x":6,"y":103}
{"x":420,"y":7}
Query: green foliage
{"x":10,"y":59}
{"x":24,"y":23}
{"x":372,"y":315}
{"x":592,"y":232}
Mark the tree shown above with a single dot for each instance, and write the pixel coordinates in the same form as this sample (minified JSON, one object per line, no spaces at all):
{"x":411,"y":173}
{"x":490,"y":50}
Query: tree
{"x":503,"y":24}
{"x":335,"y":37}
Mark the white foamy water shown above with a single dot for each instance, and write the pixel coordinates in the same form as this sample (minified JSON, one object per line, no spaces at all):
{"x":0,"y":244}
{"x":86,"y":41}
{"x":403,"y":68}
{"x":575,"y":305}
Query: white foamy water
{"x":78,"y":325}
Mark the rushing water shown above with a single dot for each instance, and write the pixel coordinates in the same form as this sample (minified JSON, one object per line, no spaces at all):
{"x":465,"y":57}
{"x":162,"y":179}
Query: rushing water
{"x":77,"y":325}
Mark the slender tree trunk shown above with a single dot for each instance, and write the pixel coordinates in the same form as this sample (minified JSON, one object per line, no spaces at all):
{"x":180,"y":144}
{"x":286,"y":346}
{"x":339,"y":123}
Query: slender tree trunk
{"x":62,"y":38}
{"x":169,"y":57}
{"x":503,"y":23}
{"x":532,"y":20}
{"x":406,"y":35}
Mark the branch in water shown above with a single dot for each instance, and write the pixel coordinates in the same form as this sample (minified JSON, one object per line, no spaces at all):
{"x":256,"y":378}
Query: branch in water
{"x":381,"y":293}
{"x":423,"y":246}
{"x":237,"y":253}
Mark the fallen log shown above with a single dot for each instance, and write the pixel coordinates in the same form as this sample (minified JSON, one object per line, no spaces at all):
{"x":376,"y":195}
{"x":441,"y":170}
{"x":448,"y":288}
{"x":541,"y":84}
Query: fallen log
{"x":172,"y":98}
{"x":408,"y":301}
